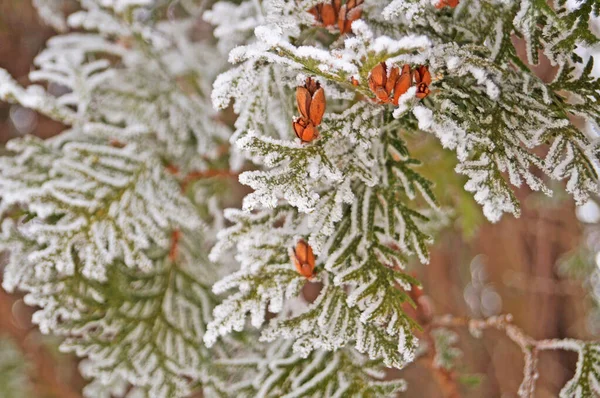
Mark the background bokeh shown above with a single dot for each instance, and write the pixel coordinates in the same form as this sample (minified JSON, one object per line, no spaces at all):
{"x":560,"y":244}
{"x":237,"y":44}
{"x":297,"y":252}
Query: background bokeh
{"x":542,"y":268}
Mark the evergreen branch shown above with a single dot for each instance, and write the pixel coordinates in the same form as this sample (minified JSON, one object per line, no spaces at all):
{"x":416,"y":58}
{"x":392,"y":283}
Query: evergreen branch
{"x":143,"y":327}
{"x":35,"y":98}
{"x":283,"y":373}
{"x":330,"y":323}
{"x":581,"y":384}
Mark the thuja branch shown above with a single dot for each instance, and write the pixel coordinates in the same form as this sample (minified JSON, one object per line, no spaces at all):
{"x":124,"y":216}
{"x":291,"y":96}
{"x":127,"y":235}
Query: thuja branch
{"x":528,"y":345}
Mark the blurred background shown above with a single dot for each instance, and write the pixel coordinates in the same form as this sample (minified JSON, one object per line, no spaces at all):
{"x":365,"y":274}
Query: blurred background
{"x":542,"y":268}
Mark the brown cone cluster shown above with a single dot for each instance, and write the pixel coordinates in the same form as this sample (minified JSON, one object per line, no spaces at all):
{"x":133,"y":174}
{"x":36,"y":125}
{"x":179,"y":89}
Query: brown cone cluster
{"x":446,"y":3}
{"x":333,"y":12}
{"x":422,"y":79}
{"x":388,"y":87}
{"x":310,"y":99}
{"x":304,"y":259}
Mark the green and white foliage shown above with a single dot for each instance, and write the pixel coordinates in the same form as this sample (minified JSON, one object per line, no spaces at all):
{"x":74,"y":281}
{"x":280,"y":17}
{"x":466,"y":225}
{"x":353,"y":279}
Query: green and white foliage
{"x":493,"y":110}
{"x":107,"y":82}
{"x":102,"y":238}
{"x":109,"y":237}
{"x":104,"y":203}
{"x":97,"y":264}
{"x":354,"y":193}
{"x":586,"y":381}
{"x":89,"y":236}
{"x":281,"y":373}
{"x":554,"y":31}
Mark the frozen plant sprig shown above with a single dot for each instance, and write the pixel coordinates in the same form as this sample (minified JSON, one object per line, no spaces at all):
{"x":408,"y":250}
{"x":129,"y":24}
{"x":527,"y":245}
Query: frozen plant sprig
{"x":354,"y":193}
{"x":107,"y":233}
{"x":283,"y":373}
{"x":108,"y":230}
{"x":373,"y":229}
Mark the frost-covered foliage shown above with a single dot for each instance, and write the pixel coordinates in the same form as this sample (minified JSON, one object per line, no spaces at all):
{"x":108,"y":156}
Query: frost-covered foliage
{"x":354,"y":193}
{"x":364,"y":228}
{"x":109,"y":230}
{"x":585,"y":382}
{"x":493,"y":110}
{"x":281,"y":373}
{"x":103,"y":236}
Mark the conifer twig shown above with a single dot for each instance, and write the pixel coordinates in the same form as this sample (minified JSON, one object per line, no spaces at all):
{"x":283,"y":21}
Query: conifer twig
{"x":528,"y":345}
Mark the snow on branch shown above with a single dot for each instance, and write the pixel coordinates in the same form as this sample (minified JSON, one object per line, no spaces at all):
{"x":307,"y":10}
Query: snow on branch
{"x":104,"y":232}
{"x":92,"y":231}
{"x":107,"y":224}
